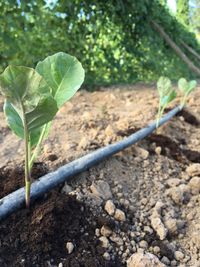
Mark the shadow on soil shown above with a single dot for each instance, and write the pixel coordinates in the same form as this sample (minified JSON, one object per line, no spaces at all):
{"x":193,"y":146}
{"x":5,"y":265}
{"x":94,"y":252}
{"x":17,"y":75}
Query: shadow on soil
{"x":170,"y":148}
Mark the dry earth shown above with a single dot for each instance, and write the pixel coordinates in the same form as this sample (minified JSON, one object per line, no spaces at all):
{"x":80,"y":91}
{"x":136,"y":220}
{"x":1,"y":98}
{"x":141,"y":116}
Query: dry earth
{"x":148,"y":196}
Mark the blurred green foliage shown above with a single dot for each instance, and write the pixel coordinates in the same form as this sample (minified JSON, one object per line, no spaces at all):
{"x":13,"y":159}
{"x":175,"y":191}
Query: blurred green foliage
{"x":183,"y":11}
{"x":113,"y":39}
{"x":195,"y":15}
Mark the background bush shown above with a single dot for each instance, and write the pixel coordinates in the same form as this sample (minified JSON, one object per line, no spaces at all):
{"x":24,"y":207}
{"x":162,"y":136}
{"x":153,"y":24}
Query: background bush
{"x":113,"y":39}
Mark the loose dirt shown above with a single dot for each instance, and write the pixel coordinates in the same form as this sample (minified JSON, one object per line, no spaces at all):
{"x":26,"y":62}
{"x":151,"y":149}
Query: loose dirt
{"x":144,"y":199}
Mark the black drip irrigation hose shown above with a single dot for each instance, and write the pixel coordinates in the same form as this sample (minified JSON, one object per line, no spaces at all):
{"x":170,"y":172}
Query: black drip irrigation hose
{"x":14,"y":201}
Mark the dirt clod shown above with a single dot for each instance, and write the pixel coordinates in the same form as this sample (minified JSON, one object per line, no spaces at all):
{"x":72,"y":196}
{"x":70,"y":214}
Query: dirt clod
{"x":110,"y":207}
{"x":119,"y":215}
{"x":193,"y":169}
{"x":144,"y":260}
{"x":101,"y":189}
{"x":194,"y":185}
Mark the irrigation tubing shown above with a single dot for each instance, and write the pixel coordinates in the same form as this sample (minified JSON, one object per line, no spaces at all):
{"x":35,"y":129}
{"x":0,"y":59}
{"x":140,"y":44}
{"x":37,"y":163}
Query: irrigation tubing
{"x":14,"y":201}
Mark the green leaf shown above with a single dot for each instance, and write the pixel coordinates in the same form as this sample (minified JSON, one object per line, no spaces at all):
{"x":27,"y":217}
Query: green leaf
{"x":63,"y":73}
{"x":22,"y":85}
{"x":168,"y":98}
{"x":165,"y":90}
{"x":15,"y":123}
{"x":36,"y":133}
{"x":164,"y":86}
{"x":13,"y":119}
{"x":172,"y":96}
{"x":28,"y":101}
{"x":192,"y":86}
{"x":35,"y":136}
{"x":183,"y":85}
{"x":43,"y":113}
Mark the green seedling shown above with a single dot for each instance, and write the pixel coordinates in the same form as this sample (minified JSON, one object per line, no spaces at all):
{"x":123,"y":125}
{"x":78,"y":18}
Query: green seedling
{"x":186,"y":88}
{"x":32,"y":99}
{"x":166,"y":93}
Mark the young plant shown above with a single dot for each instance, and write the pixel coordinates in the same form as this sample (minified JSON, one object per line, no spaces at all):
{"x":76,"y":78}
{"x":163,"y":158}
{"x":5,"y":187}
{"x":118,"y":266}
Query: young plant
{"x":166,"y":93}
{"x":186,"y":88}
{"x":33,"y":97}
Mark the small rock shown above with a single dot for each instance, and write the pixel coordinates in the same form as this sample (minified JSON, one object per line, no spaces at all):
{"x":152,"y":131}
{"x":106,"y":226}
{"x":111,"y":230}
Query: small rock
{"x":180,"y":224}
{"x":144,"y":201}
{"x":140,"y":250}
{"x":190,"y":216}
{"x":106,"y":231}
{"x":69,"y":247}
{"x":106,"y":256}
{"x":95,"y":200}
{"x":133,"y":243}
{"x":193,"y":169}
{"x":140,"y":152}
{"x":97,"y":232}
{"x":144,"y":260}
{"x":158,"y":208}
{"x":126,"y":203}
{"x":173,"y":182}
{"x":159,"y":227}
{"x":104,"y":241}
{"x":118,"y":240}
{"x":67,"y":189}
{"x":179,"y":194}
{"x":178,"y":255}
{"x":133,"y":234}
{"x":194,"y":185}
{"x":158,"y":150}
{"x":165,"y":260}
{"x":110,"y":207}
{"x":184,"y":176}
{"x":120,"y":215}
{"x":171,"y":225}
{"x":148,"y":229}
{"x":101,"y":189}
{"x":156,"y":249}
{"x":143,"y":244}
{"x":176,"y":194}
{"x":173,"y":263}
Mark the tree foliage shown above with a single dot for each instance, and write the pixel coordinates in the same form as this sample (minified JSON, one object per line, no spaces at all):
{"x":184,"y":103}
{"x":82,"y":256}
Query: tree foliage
{"x":113,"y":39}
{"x":183,"y":11}
{"x":195,"y":15}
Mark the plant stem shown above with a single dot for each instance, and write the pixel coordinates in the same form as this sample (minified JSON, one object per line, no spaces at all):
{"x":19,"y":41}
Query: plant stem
{"x":158,"y":116}
{"x":37,"y":149}
{"x":27,"y":155}
{"x":160,"y":113}
{"x":184,"y":100}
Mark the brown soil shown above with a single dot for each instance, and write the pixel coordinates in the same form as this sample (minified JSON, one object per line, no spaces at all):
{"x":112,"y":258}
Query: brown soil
{"x":12,"y":179}
{"x":147,"y":175}
{"x":39,"y":237}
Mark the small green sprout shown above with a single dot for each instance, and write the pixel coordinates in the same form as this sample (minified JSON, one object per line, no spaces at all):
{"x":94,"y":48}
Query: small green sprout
{"x":166,"y":93}
{"x":186,"y":88}
{"x":32,"y":99}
